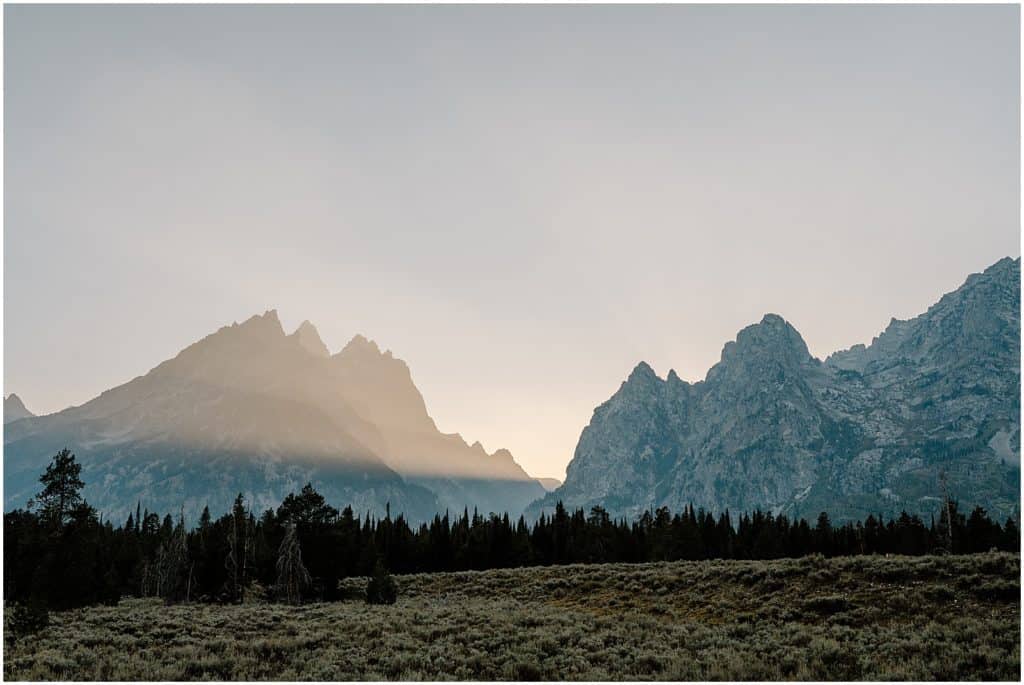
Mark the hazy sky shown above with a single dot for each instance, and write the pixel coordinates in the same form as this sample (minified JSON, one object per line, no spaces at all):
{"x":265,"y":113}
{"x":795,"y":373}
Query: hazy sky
{"x":521,"y":202}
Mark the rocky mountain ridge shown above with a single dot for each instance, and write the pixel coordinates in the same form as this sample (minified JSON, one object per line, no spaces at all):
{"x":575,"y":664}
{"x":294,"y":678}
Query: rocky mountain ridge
{"x":868,"y":430}
{"x":252,"y":409}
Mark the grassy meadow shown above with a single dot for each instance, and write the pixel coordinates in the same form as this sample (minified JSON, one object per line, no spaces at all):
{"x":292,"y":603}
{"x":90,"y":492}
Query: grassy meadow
{"x":875,"y":618}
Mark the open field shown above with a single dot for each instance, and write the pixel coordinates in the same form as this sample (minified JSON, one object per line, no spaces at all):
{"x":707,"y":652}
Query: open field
{"x":918,"y":618}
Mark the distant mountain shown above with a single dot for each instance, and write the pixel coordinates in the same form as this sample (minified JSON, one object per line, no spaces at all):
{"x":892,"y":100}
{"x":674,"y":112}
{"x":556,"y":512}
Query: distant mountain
{"x":549,"y":484}
{"x":866,"y":431}
{"x":14,"y":409}
{"x":251,"y":409}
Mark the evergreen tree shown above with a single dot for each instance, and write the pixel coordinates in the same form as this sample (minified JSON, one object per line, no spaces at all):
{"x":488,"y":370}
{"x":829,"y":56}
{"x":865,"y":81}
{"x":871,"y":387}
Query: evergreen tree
{"x":823,"y":534}
{"x":62,"y":487}
{"x":63,"y":556}
{"x":381,"y":588}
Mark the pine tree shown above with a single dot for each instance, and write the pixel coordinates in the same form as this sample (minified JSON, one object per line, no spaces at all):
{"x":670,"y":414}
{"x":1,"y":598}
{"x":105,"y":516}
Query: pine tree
{"x":823,"y":534}
{"x":381,"y":589}
{"x":61,"y":488}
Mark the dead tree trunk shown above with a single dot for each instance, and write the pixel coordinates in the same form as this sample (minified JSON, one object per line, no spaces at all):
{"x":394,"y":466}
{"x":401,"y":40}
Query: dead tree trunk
{"x":292,"y":576}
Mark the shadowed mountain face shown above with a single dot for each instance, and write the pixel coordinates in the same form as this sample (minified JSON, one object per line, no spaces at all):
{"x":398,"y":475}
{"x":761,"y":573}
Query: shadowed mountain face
{"x":380,"y":389}
{"x":866,"y":431}
{"x":14,"y":409}
{"x":252,"y":409}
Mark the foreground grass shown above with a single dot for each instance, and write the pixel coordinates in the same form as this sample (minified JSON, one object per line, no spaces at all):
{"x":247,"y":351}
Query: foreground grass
{"x":924,"y":618}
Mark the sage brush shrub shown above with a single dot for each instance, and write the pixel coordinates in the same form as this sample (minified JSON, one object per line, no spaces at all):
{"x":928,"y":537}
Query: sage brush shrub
{"x":27,"y":618}
{"x":381,"y":588}
{"x":689,"y":620}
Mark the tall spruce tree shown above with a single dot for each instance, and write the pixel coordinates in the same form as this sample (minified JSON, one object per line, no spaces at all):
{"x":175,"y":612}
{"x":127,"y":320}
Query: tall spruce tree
{"x":62,"y":485}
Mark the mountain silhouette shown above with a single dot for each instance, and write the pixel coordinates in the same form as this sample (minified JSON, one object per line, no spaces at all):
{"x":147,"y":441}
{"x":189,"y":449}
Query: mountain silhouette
{"x":251,"y":409}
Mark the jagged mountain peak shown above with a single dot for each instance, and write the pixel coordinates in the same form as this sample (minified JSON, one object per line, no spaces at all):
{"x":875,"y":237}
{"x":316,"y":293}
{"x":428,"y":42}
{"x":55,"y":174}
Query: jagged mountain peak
{"x":309,"y":339}
{"x":249,"y":406}
{"x":772,"y":334}
{"x":363,"y":355}
{"x":263,"y":328}
{"x":362,"y":347}
{"x":502,"y":454}
{"x":643,"y":372}
{"x":642,"y":381}
{"x":984,"y":311}
{"x":868,"y":432}
{"x":255,"y":348}
{"x":267,"y":321}
{"x":994,"y":287}
{"x":764,"y":346}
{"x":15,"y":409}
{"x":1007,"y":266}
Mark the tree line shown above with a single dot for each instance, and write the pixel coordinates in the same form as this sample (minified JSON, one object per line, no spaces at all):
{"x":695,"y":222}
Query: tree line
{"x":57,"y":551}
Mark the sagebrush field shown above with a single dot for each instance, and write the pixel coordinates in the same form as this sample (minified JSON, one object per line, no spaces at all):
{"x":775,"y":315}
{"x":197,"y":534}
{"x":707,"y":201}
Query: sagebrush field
{"x":875,"y":618}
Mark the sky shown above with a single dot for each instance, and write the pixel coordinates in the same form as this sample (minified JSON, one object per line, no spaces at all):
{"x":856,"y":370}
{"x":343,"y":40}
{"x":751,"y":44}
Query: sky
{"x":521,"y":202}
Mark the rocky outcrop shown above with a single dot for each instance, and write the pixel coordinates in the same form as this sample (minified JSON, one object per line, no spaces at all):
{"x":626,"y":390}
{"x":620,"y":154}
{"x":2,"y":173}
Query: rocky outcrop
{"x":866,"y":431}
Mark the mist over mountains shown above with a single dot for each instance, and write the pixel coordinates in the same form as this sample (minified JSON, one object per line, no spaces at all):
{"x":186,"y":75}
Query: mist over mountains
{"x":251,"y":409}
{"x":868,"y":430}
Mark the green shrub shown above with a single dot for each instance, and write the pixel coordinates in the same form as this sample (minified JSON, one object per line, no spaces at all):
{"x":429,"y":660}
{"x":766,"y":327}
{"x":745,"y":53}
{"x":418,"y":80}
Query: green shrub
{"x":832,"y":604}
{"x":998,"y":590}
{"x":381,"y":588}
{"x":939,"y":593}
{"x":27,"y":618}
{"x":649,"y":664}
{"x":523,"y":670}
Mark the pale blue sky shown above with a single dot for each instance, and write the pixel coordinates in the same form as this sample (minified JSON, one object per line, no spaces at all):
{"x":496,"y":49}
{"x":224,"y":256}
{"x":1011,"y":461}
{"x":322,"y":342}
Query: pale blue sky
{"x":522,"y":202}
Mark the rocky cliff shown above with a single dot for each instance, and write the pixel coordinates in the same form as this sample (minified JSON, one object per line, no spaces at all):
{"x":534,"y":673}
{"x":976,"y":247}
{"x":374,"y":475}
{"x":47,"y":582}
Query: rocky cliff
{"x":866,"y":431}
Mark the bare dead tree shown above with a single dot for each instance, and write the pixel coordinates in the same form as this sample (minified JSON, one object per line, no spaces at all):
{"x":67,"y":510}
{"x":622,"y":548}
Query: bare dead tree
{"x":165,"y":577}
{"x":231,"y":562}
{"x":176,"y":562}
{"x":947,"y":503}
{"x":159,"y":570}
{"x":248,"y":549}
{"x":241,"y":555}
{"x":292,"y":576}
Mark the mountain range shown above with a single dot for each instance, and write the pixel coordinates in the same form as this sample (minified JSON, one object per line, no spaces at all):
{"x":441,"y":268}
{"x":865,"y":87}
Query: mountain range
{"x":872,"y":429}
{"x":931,"y":405}
{"x":252,"y":409}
